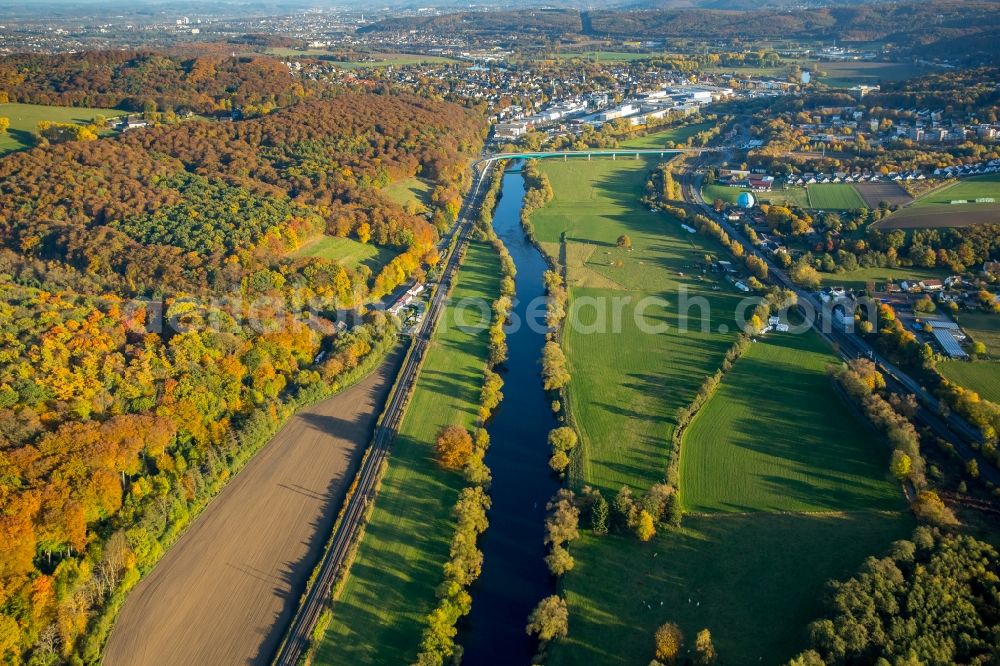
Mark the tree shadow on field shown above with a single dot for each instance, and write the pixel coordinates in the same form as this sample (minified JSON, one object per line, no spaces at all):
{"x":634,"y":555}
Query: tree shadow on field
{"x":335,"y":425}
{"x":818,"y":454}
{"x":398,"y":566}
{"x":624,"y":186}
{"x":451,"y":385}
{"x":24,"y":137}
{"x":294,"y":575}
{"x":590,"y":241}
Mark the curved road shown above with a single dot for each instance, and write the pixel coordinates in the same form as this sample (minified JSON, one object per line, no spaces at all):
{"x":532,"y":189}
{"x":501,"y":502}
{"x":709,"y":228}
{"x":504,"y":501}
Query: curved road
{"x":225,"y":591}
{"x":950,"y":427}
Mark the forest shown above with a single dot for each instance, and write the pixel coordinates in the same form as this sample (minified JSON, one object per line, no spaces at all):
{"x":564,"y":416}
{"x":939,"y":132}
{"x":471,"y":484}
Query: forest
{"x":156,"y":330}
{"x":932,"y":600}
{"x":144,"y":81}
{"x":131,"y":211}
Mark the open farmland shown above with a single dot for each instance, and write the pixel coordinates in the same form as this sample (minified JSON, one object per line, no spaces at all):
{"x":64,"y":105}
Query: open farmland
{"x":983,"y":377}
{"x":24,"y":119}
{"x":226,"y":590}
{"x":393,"y":59}
{"x":941,"y":217}
{"x":793,"y":446}
{"x":747,"y":71}
{"x":753,"y":580}
{"x":659,"y":138}
{"x":983,"y":327}
{"x":628,"y":386}
{"x":935,"y":210}
{"x":371,"y":59}
{"x":381,"y":613}
{"x":967,"y":189}
{"x":629,"y":383}
{"x":889,"y":192}
{"x":852,"y":73}
{"x":603,"y":56}
{"x":726,"y":569}
{"x":834,"y":196}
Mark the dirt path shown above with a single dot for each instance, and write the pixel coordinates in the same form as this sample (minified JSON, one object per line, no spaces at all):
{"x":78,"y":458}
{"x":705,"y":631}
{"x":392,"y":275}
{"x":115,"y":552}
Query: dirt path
{"x":226,"y":590}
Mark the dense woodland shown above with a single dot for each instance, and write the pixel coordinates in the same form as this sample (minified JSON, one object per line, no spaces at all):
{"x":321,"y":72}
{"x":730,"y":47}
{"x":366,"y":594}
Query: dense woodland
{"x":131,"y":211}
{"x":141,"y":81}
{"x":934,"y":599}
{"x":135,"y":376}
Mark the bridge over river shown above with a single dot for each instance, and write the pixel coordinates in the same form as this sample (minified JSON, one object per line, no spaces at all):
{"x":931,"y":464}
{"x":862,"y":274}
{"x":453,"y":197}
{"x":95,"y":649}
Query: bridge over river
{"x":613,"y":153}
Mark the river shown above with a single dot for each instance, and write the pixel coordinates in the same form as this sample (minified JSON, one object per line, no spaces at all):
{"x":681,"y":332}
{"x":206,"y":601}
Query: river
{"x":514,"y":576}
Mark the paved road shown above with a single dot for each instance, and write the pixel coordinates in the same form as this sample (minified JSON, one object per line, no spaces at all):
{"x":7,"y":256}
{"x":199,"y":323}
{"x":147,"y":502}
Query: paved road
{"x":224,"y":591}
{"x":952,"y":428}
{"x":301,"y":628}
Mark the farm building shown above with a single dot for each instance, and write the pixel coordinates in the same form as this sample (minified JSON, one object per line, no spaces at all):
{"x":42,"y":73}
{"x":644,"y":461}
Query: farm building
{"x":948,"y":343}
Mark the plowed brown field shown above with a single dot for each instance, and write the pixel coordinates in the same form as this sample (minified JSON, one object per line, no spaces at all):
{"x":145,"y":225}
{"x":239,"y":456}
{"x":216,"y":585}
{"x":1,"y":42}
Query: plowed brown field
{"x":224,"y":593}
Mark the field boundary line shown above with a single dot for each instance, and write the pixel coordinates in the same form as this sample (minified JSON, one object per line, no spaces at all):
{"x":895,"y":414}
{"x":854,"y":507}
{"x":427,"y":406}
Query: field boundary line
{"x":830,"y":514}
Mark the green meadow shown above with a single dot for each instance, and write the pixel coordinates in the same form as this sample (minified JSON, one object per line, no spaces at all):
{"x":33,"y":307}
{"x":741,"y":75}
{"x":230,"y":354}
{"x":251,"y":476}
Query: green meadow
{"x":348,"y":251}
{"x":755,"y":581}
{"x":983,"y":327}
{"x":24,"y":119}
{"x":852,"y":73}
{"x":658,"y":138}
{"x":983,"y":377}
{"x":380,"y":615}
{"x":603,"y":56}
{"x":776,"y":436}
{"x":784,"y":196}
{"x":631,"y":375}
{"x":413,"y":191}
{"x":963,"y":190}
{"x":834,"y":196}
{"x":785,"y":492}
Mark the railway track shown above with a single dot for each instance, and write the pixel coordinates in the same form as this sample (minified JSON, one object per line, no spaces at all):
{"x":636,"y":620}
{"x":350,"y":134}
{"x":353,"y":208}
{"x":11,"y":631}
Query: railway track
{"x":951,"y":428}
{"x":297,"y":638}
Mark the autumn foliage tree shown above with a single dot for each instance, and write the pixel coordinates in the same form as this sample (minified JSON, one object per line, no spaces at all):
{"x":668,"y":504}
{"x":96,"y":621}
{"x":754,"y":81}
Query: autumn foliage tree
{"x":453,"y":447}
{"x":555,"y":373}
{"x":140,"y":80}
{"x":169,"y":204}
{"x":668,"y":643}
{"x":156,"y":328}
{"x":549,"y":619}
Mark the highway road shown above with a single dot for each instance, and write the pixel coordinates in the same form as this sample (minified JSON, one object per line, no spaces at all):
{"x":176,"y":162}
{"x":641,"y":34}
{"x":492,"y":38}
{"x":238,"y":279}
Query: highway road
{"x":297,"y":638}
{"x":951,"y":428}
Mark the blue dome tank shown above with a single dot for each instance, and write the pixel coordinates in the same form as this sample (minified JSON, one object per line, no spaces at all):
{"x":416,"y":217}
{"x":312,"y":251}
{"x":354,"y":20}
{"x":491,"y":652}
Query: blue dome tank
{"x":745,"y":200}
